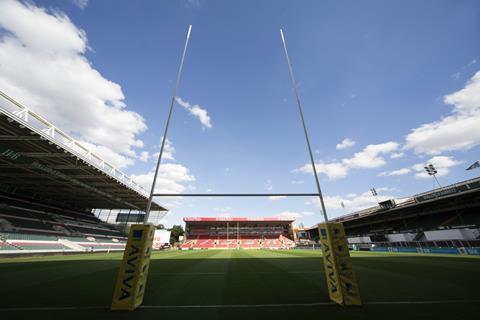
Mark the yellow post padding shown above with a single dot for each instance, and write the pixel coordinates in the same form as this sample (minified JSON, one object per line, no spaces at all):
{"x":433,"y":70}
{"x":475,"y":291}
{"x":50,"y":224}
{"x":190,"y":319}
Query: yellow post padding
{"x":132,"y":276}
{"x":341,"y":282}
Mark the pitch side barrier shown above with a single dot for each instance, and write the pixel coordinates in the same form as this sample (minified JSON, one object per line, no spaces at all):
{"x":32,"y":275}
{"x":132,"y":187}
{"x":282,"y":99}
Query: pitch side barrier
{"x":131,"y":281}
{"x":442,"y":250}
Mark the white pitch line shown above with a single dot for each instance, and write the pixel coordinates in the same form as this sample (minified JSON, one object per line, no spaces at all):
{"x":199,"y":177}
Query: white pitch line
{"x":228,"y":306}
{"x":52,"y":308}
{"x":189,"y":273}
{"x":422,"y":302}
{"x":283,"y":272}
{"x":223,"y":273}
{"x":312,"y":304}
{"x":232,"y":306}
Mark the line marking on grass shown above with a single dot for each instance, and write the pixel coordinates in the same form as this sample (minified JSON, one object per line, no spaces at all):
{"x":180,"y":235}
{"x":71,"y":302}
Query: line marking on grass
{"x":304,"y":271}
{"x":312,"y":304}
{"x":223,"y":273}
{"x":232,"y":306}
{"x":189,"y":273}
{"x":422,"y":302}
{"x":227,"y":306}
{"x":53,"y":308}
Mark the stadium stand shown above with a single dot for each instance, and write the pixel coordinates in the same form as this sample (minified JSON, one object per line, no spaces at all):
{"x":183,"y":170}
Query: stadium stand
{"x":32,"y":226}
{"x":50,"y":184}
{"x":238,"y":233}
{"x":15,"y":243}
{"x":21,"y":215}
{"x":441,"y":220}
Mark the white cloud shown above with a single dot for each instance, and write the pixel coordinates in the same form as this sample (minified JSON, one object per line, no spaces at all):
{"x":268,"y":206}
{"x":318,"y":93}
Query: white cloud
{"x":197,"y":111}
{"x":353,"y":202}
{"x":172,"y":178}
{"x":43,"y":65}
{"x":192,"y":4}
{"x":82,"y":4}
{"x":331,"y":202}
{"x":399,"y":172}
{"x":168,"y":151}
{"x":362,"y":201}
{"x":441,"y":163}
{"x":346,"y":143}
{"x":268,"y":185}
{"x":276,"y":197}
{"x":397,"y":155}
{"x":369,"y":157}
{"x":298,"y":182}
{"x":333,"y":170}
{"x":112,"y":157}
{"x":223,"y":209}
{"x":289,"y":215}
{"x":144,"y":156}
{"x":458,"y":131}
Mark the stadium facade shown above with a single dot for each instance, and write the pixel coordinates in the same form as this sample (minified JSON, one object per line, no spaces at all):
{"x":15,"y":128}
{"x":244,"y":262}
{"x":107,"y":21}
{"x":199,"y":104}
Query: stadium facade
{"x":238,"y":233}
{"x":50,"y":187}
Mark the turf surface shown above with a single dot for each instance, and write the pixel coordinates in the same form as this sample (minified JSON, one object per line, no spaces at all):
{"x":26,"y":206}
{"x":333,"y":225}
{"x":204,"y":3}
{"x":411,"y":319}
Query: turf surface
{"x":259,"y":285}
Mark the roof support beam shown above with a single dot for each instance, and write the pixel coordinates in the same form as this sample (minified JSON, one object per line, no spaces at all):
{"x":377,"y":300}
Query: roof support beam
{"x":235,"y":194}
{"x":56,"y":167}
{"x":47,"y":154}
{"x":19,"y":138}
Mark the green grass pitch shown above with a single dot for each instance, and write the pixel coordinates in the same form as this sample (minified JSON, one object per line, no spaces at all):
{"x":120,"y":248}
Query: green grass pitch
{"x":243,"y":284}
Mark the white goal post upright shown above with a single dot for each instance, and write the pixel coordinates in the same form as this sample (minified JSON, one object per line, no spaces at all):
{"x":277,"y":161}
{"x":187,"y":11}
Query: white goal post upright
{"x":164,"y":138}
{"x":341,"y":281}
{"x":307,"y":140}
{"x":132,"y":275}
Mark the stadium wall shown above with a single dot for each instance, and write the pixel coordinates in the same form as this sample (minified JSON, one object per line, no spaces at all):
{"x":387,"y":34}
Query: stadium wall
{"x":359,"y":240}
{"x":400,"y":237}
{"x":452,"y":234}
{"x":469,"y":251}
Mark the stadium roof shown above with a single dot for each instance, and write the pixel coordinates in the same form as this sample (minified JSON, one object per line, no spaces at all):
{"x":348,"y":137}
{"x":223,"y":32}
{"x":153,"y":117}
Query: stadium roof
{"x":461,"y":195}
{"x":235,"y":219}
{"x":41,"y":161}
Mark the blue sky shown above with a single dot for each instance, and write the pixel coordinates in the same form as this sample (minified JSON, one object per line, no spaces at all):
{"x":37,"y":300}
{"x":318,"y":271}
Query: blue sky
{"x":398,"y":80}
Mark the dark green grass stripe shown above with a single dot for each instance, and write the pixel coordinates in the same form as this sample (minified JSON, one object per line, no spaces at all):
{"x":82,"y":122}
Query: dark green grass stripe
{"x":436,"y":285}
{"x":264,"y":305}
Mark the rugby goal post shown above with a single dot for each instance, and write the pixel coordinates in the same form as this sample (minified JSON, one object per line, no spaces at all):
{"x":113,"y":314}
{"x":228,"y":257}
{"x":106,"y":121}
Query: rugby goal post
{"x":341,"y":281}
